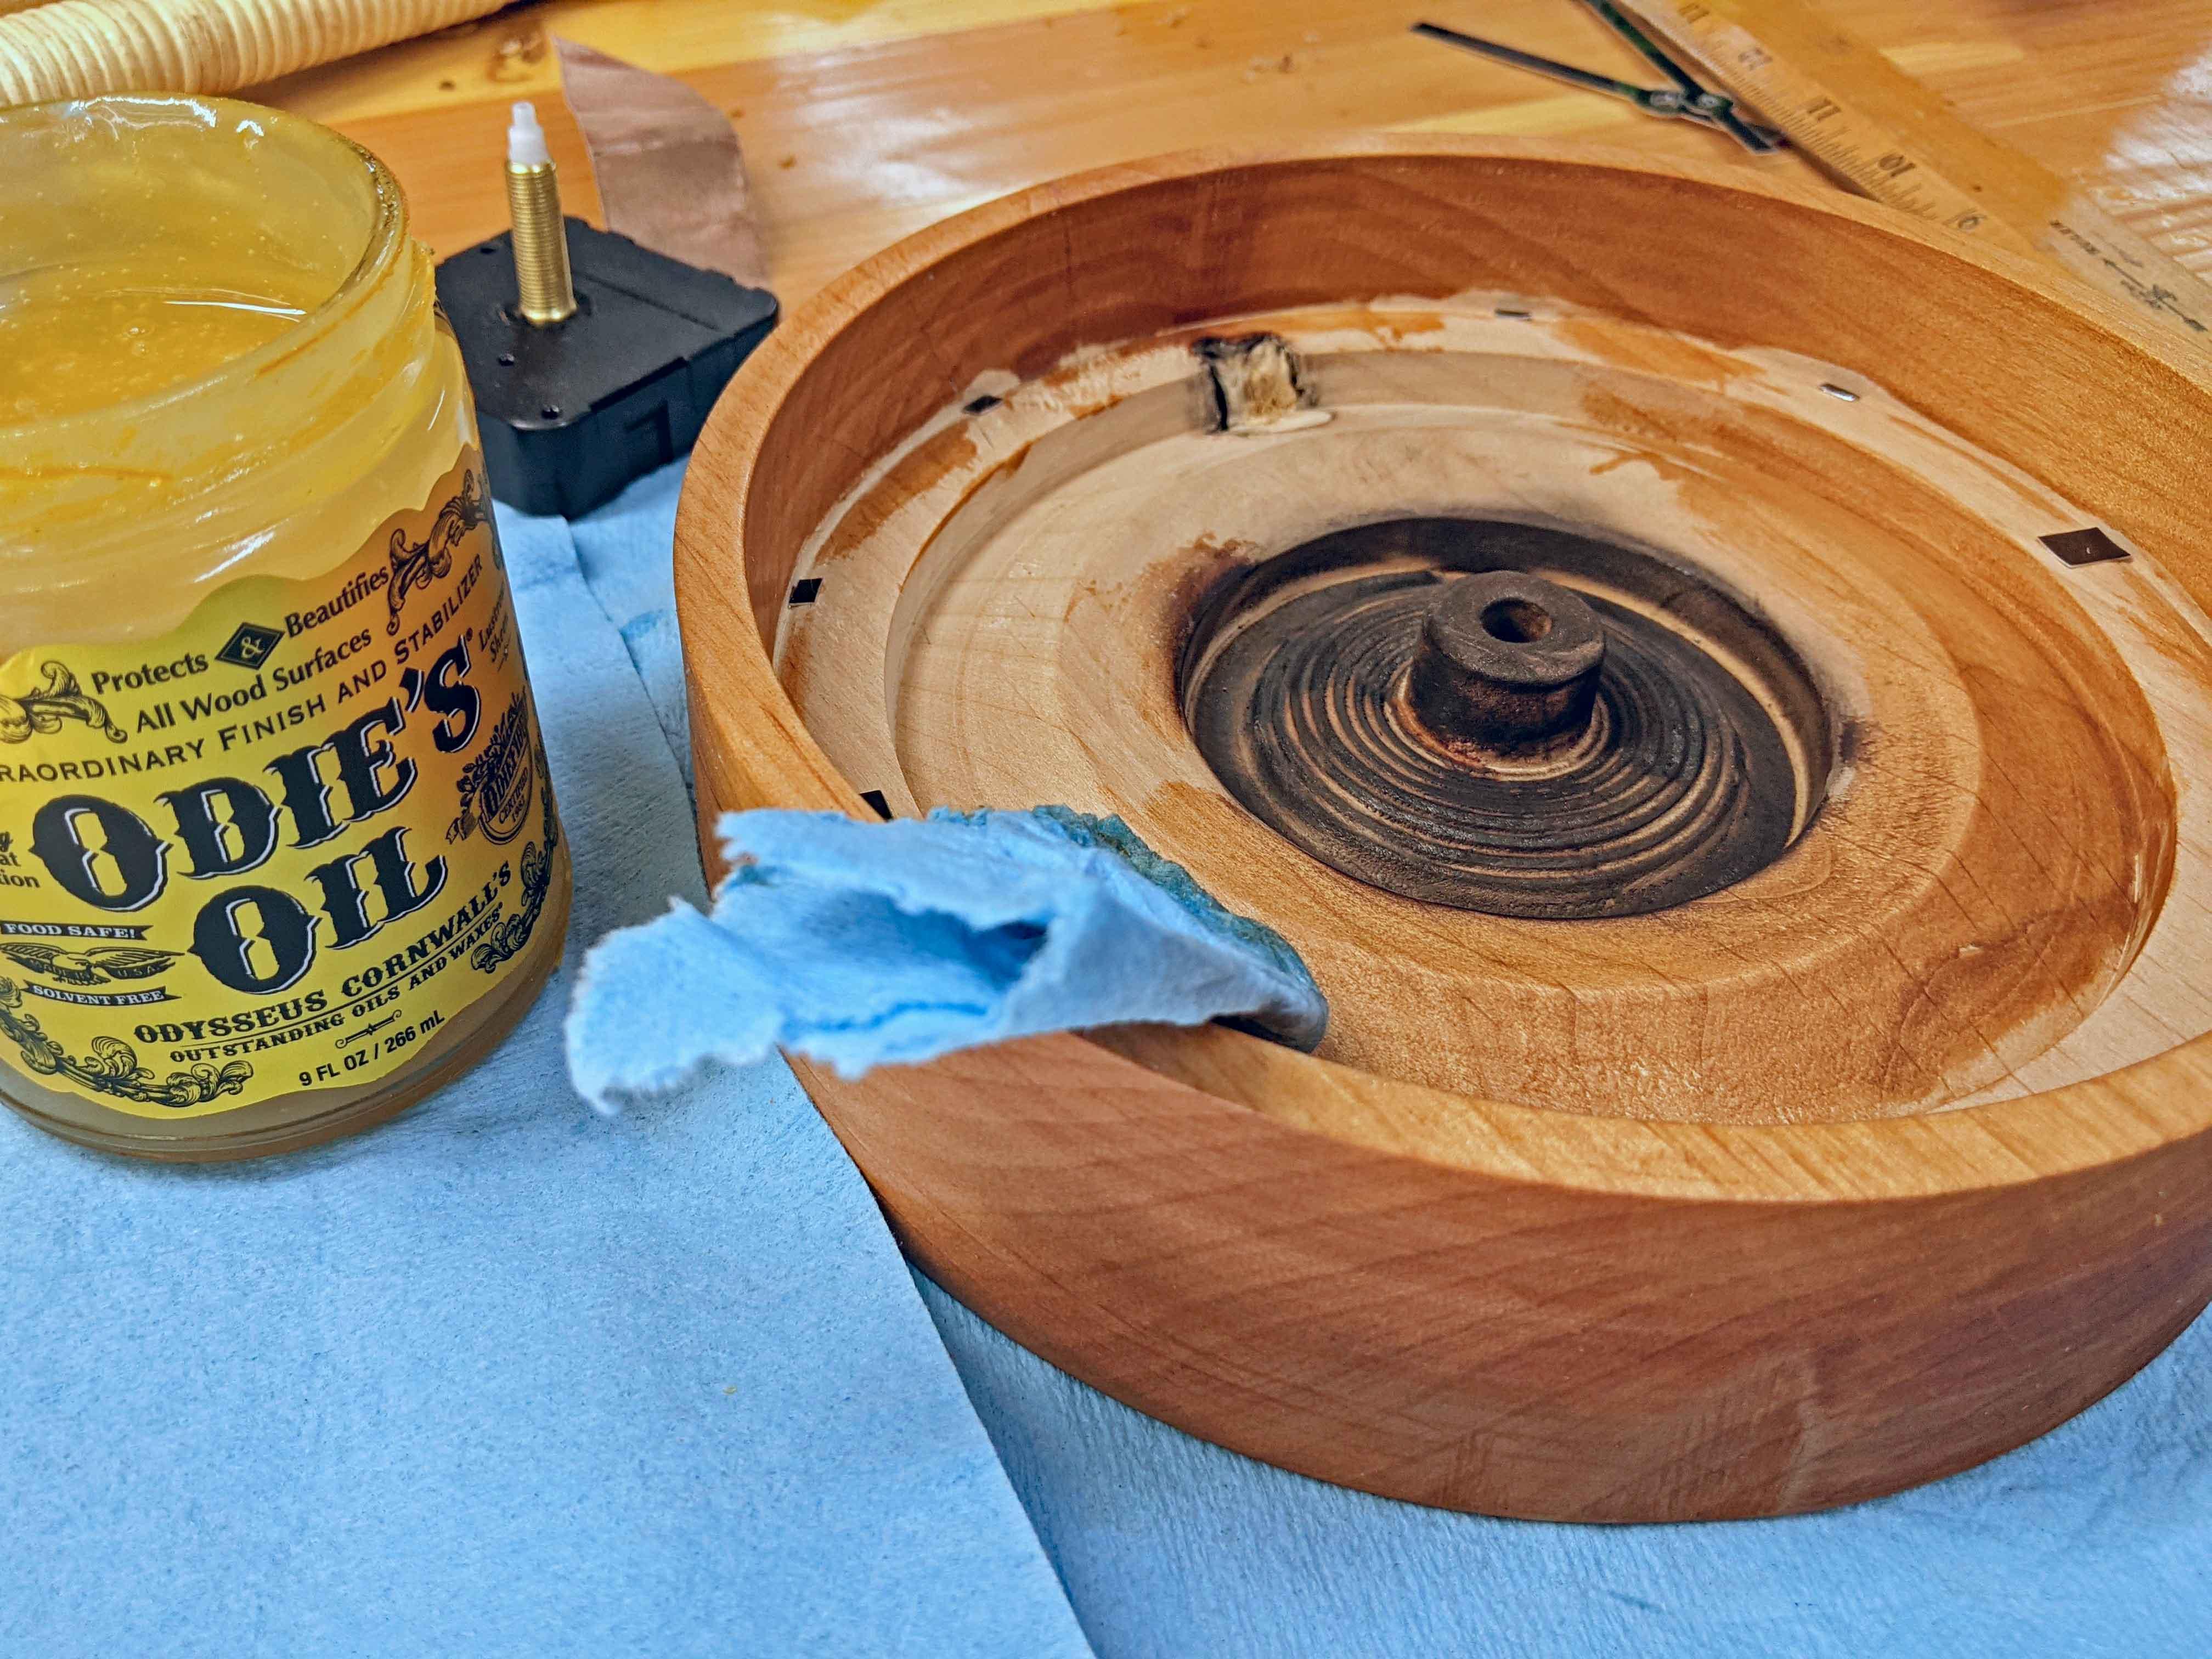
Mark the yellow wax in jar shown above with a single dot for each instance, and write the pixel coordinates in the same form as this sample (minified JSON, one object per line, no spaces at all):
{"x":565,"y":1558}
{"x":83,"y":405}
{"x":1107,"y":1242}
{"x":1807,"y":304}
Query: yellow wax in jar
{"x":140,"y":255}
{"x":79,"y":337}
{"x":217,"y":360}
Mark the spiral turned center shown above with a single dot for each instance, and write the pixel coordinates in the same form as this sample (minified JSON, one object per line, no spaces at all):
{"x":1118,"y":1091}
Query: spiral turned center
{"x":1412,"y":704}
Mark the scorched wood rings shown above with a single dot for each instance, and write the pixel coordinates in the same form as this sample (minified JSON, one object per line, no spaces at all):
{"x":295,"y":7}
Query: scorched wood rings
{"x":1423,"y":710}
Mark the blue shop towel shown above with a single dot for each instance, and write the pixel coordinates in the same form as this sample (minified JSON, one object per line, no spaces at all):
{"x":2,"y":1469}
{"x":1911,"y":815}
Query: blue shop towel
{"x":863,"y":943}
{"x":2094,"y":1542}
{"x":503,"y":1376}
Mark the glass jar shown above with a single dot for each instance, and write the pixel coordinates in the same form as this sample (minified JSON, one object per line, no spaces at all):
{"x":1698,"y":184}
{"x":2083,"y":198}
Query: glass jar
{"x":279,"y":847}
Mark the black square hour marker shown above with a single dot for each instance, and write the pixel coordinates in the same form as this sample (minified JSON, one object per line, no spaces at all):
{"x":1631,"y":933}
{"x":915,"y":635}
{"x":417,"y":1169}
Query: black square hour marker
{"x":875,"y":799}
{"x":2090,"y":546}
{"x":803,"y":593}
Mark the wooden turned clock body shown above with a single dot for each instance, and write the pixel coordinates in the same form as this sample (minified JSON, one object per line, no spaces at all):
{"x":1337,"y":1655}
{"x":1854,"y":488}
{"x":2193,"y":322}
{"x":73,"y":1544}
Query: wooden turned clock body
{"x":1879,"y":1157}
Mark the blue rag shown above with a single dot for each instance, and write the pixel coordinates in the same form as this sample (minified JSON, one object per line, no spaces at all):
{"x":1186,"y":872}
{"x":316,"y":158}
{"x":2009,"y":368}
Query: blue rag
{"x":863,"y":943}
{"x":503,"y":1376}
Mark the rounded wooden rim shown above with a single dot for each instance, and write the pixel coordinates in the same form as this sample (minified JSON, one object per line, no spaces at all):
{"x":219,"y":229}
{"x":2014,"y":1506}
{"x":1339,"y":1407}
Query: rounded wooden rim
{"x":2122,"y":1115}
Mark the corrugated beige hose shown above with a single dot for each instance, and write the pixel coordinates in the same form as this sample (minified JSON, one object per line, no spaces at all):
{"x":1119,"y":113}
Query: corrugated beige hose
{"x":76,"y":48}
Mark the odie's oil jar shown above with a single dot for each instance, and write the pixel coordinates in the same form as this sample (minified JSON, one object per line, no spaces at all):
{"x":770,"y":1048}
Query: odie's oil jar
{"x":278,"y":847}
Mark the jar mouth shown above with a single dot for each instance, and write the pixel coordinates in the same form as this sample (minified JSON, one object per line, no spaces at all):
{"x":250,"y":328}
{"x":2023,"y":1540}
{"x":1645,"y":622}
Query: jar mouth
{"x":385,"y":239}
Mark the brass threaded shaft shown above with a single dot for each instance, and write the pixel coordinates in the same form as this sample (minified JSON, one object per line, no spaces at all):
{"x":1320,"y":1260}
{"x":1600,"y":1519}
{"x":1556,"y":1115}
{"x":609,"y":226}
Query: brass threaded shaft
{"x":547,"y":293}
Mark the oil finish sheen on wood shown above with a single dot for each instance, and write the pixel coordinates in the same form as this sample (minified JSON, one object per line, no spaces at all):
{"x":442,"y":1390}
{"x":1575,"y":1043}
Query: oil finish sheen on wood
{"x":1477,"y":1258}
{"x":1029,"y":579}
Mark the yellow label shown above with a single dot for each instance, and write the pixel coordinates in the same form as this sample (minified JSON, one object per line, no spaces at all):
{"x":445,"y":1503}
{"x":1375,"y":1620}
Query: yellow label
{"x":279,"y":848}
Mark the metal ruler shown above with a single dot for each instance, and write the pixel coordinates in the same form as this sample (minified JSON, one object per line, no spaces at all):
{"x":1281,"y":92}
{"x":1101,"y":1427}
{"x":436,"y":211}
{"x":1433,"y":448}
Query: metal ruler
{"x":1881,"y":133}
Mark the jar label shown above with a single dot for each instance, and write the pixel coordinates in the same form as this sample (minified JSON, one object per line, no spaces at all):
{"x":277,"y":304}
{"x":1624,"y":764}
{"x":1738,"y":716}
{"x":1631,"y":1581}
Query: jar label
{"x":279,"y":848}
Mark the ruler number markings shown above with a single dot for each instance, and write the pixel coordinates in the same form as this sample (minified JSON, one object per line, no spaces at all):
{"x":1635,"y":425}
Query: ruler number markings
{"x":1909,"y":176}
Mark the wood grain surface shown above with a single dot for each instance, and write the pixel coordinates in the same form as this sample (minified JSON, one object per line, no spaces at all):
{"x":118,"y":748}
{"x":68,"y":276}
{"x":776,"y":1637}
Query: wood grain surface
{"x":1434,"y":1293}
{"x":998,"y":619}
{"x":864,"y":122}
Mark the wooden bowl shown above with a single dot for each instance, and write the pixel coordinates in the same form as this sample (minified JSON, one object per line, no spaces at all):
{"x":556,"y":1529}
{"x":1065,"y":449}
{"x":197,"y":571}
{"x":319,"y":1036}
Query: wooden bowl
{"x":1873,"y":1164}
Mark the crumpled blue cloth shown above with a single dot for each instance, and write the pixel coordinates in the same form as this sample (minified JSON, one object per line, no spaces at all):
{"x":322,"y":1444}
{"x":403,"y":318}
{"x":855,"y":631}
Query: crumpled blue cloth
{"x":862,"y":944}
{"x":503,"y":1376}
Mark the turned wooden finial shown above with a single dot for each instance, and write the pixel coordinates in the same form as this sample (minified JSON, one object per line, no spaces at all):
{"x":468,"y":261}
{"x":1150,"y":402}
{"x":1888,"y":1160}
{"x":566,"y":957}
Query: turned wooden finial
{"x":1508,"y":662}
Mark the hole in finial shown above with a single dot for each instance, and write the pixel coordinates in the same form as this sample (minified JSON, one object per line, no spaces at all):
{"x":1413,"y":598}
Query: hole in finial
{"x":1516,"y":621}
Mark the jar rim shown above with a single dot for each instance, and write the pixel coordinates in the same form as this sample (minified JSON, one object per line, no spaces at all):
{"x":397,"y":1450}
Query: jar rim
{"x":387,"y":237}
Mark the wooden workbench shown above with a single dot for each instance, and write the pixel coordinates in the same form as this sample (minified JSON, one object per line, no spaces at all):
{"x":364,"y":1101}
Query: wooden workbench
{"x":862,"y":122}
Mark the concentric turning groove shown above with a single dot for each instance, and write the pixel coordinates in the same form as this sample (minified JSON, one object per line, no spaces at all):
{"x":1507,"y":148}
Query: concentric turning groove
{"x":1491,"y":741}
